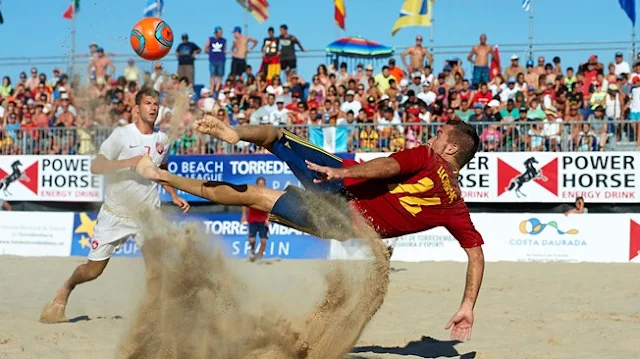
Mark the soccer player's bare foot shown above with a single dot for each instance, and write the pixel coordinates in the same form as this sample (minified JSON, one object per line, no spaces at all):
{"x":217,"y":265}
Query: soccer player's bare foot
{"x":147,"y":169}
{"x":210,"y":125}
{"x":53,"y":312}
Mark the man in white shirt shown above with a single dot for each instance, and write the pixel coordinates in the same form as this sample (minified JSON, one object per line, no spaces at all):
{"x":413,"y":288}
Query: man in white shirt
{"x":351,"y":104}
{"x":622,"y":67}
{"x":126,"y":194}
{"x":280,"y":115}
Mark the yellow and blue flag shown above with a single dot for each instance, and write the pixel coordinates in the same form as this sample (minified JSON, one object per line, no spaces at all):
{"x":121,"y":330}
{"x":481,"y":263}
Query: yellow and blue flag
{"x":413,"y":13}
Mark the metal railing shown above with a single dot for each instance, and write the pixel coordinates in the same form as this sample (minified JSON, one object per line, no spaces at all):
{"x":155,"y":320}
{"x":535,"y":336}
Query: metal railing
{"x":357,"y":137}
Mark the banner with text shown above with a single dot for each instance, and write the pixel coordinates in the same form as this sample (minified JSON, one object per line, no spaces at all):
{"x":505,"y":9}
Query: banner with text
{"x":224,"y":230}
{"x":548,"y":177}
{"x":49,"y":178}
{"x":237,"y":169}
{"x":35,"y":234}
{"x":523,"y":237}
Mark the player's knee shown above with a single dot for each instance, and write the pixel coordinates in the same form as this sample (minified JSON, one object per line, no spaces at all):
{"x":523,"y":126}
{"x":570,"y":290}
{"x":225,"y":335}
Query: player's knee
{"x":94,"y":269}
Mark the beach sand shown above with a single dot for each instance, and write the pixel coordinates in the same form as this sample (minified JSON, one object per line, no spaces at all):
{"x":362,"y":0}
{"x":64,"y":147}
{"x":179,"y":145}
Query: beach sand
{"x":525,"y":310}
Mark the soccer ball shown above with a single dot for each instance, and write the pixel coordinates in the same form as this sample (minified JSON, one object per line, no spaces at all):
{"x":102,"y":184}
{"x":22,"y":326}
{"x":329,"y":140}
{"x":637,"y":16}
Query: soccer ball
{"x":151,"y":38}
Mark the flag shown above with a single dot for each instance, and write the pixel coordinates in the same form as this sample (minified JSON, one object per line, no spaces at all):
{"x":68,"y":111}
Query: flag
{"x":154,"y":8}
{"x":331,"y":139}
{"x":1,"y":18}
{"x":413,"y":13}
{"x":69,"y":13}
{"x":629,"y":7}
{"x":258,"y":8}
{"x":494,"y":68}
{"x":340,"y":13}
{"x":526,"y":5}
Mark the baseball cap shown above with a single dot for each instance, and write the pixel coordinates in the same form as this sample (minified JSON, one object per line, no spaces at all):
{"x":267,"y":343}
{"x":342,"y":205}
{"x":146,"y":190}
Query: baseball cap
{"x":217,"y":28}
{"x":529,"y":63}
{"x":478,"y":105}
{"x":386,"y":97}
{"x":514,"y":57}
{"x":185,"y":36}
{"x":447,"y":68}
{"x":350,"y":93}
{"x":613,"y":87}
{"x":618,"y":54}
{"x":523,"y":109}
{"x":64,"y":96}
{"x":369,"y":67}
{"x":494,"y":103}
{"x":237,"y":29}
{"x":512,"y":80}
{"x":279,"y":99}
{"x":416,"y":74}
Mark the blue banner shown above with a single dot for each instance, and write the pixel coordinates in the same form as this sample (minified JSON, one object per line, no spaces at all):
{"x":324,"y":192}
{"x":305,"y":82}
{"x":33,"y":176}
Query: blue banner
{"x":227,"y":232}
{"x":236,"y":169}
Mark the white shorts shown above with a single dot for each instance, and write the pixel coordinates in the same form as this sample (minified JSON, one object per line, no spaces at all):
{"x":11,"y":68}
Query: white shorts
{"x":110,"y":233}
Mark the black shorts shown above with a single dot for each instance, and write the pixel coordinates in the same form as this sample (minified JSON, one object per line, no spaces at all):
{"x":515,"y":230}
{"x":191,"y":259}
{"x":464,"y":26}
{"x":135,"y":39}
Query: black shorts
{"x":258,"y":228}
{"x":238,"y":66}
{"x":288,"y":64}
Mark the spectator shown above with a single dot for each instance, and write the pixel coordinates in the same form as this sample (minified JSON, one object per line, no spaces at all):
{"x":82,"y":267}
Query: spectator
{"x":483,"y":96}
{"x":239,"y":50}
{"x":216,"y":47}
{"x":417,"y":55}
{"x":132,"y":72}
{"x":382,"y":80}
{"x":621,"y":66}
{"x":514,"y":68}
{"x":100,"y":65}
{"x":6,"y":89}
{"x":479,"y":56}
{"x":579,"y":207}
{"x":288,"y":60}
{"x":186,"y":53}
{"x":464,"y":113}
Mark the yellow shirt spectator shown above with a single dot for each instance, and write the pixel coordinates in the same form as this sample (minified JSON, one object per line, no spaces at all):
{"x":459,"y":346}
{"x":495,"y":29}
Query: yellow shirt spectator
{"x":368,"y":139}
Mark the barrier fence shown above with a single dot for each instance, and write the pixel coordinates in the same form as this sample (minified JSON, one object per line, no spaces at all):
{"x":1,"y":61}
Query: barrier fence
{"x":535,"y":177}
{"x":506,"y":136}
{"x":508,"y":237}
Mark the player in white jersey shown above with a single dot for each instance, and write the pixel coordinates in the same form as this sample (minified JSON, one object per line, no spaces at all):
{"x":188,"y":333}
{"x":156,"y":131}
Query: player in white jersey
{"x":125,"y":195}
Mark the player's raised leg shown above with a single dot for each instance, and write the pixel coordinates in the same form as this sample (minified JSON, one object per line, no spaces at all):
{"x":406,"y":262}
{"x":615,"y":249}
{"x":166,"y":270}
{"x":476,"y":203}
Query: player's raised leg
{"x":261,"y":135}
{"x":224,"y":193}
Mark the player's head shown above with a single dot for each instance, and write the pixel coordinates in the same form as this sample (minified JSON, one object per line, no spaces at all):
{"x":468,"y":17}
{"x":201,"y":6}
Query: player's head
{"x":148,"y":103}
{"x":261,"y":182}
{"x":456,"y":142}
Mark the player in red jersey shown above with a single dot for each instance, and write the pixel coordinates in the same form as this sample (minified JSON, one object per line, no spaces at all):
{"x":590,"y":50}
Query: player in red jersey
{"x":258,"y":222}
{"x":408,"y":192}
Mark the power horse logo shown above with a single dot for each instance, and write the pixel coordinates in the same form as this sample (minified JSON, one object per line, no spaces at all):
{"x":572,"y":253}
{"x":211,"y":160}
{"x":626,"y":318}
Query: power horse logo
{"x":512,"y":180}
{"x":28,"y":177}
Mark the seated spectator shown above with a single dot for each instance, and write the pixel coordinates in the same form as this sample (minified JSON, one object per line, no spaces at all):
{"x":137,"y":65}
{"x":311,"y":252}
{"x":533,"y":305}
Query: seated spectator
{"x":553,"y":126}
{"x":490,"y":138}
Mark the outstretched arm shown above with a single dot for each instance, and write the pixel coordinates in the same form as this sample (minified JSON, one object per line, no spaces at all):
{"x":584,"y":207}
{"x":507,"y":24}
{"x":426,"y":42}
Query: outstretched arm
{"x":461,"y":323}
{"x":378,"y":168}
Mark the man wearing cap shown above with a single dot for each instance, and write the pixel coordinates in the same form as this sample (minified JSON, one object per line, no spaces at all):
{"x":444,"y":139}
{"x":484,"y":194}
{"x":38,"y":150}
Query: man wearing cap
{"x":514,"y":68}
{"x":509,"y":92}
{"x":186,"y":54}
{"x":100,"y":64}
{"x":239,"y":50}
{"x":216,"y":47}
{"x":416,"y":82}
{"x":350,"y":104}
{"x":622,"y":67}
{"x":417,"y":55}
{"x":531,"y":76}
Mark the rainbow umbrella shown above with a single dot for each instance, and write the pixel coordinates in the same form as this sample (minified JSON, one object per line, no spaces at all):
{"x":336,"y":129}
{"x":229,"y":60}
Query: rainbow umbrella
{"x":358,"y":47}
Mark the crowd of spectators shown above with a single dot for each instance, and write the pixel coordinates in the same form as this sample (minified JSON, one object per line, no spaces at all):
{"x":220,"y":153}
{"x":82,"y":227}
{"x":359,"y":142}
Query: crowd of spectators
{"x":541,"y":106}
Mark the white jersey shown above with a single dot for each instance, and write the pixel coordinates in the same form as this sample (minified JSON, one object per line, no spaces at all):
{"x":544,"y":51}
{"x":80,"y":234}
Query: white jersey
{"x":126,"y":192}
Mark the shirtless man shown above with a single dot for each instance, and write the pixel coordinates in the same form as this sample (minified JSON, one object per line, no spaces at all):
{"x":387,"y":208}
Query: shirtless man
{"x":481,"y":61}
{"x":418,"y":54}
{"x":100,"y":64}
{"x":239,"y":51}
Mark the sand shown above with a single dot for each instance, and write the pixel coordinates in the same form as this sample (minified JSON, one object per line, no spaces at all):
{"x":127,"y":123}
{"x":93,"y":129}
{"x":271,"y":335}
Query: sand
{"x":525,"y":310}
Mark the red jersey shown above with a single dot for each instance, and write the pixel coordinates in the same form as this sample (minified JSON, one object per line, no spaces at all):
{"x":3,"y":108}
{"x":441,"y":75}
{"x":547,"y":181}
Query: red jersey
{"x":424,"y":195}
{"x":482,"y":98}
{"x":256,"y":216}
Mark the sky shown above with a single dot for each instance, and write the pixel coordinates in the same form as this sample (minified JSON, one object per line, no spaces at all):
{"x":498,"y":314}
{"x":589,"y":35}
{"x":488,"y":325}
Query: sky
{"x":36,"y":28}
